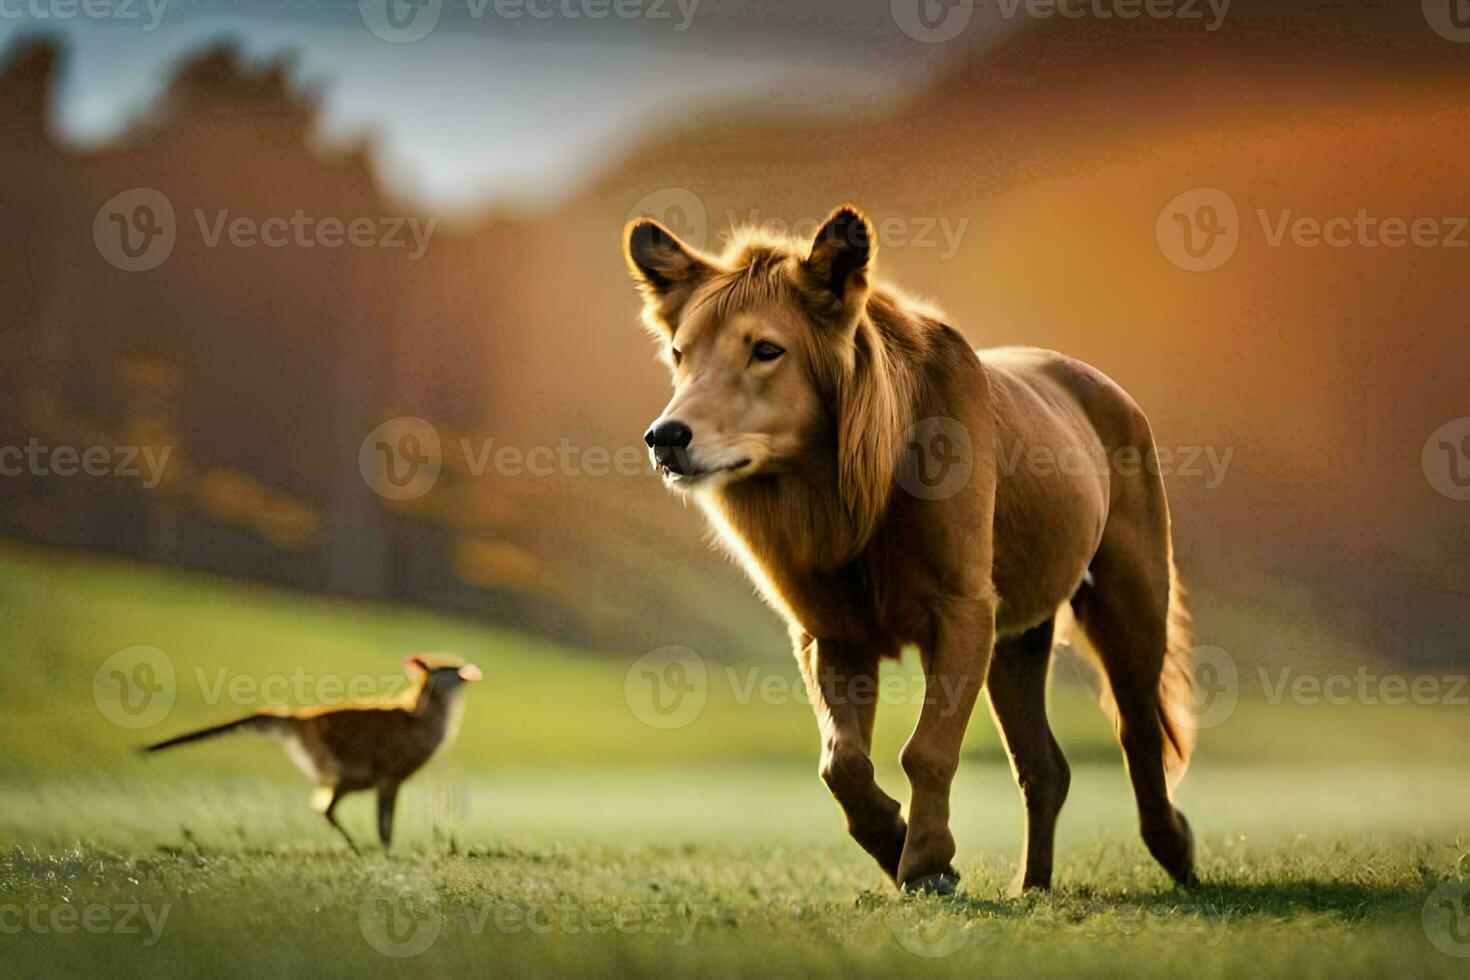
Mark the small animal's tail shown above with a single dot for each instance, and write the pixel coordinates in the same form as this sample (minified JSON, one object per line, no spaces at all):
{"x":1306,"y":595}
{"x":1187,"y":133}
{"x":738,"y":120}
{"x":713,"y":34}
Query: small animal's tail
{"x":262,"y":723}
{"x":1176,"y":684}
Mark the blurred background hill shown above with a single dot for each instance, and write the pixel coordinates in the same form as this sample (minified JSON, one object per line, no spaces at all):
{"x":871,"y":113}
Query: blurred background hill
{"x":1019,"y":170}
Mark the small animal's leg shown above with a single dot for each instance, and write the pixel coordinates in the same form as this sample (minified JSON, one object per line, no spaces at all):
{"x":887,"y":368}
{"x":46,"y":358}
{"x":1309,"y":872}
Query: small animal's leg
{"x":387,"y":800}
{"x":955,"y":665}
{"x":843,"y":684}
{"x":1017,"y":689}
{"x":326,"y":800}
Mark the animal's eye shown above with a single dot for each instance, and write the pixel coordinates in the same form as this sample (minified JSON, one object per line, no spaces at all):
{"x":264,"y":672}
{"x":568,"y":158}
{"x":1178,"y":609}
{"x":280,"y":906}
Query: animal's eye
{"x":767,"y":351}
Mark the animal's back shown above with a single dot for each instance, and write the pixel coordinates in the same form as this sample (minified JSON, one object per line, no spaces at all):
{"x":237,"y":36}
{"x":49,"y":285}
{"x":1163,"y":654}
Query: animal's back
{"x":1059,"y":426}
{"x":1066,"y":389}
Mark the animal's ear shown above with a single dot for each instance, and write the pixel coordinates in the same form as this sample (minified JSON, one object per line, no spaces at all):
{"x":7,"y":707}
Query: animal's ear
{"x":415,"y":662}
{"x":837,"y":268}
{"x":659,"y":261}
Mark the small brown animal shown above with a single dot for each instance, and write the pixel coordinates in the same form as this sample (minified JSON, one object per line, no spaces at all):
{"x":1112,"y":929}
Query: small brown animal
{"x":374,"y":746}
{"x":885,"y":485}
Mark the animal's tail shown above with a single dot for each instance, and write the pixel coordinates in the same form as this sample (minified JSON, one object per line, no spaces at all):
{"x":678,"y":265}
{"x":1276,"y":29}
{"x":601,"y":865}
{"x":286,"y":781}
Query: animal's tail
{"x":262,"y":723}
{"x":1176,"y":684}
{"x":1176,"y":679}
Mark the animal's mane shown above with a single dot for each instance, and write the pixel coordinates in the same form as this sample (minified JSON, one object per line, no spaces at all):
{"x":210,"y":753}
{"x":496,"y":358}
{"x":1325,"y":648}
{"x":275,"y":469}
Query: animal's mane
{"x":872,"y":387}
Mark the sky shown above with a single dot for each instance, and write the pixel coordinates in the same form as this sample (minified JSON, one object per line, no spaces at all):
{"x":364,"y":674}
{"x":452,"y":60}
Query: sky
{"x":500,"y":102}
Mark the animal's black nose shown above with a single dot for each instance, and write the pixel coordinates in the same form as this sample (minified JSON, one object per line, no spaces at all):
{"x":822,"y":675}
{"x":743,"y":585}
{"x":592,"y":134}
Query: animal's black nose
{"x":668,"y":434}
{"x":669,"y":438}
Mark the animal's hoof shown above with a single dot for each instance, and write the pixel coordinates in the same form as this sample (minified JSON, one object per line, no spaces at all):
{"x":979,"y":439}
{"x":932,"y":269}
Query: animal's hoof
{"x":943,"y":883}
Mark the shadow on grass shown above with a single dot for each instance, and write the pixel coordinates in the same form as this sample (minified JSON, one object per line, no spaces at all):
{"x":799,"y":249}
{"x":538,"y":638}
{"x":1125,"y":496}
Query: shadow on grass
{"x":1347,"y":901}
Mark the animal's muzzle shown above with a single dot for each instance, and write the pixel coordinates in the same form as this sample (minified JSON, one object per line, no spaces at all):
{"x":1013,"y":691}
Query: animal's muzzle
{"x":669,"y":440}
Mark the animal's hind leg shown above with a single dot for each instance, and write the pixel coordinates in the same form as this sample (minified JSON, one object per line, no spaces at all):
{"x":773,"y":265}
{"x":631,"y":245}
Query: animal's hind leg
{"x":1016,"y":687}
{"x":387,"y":799}
{"x":326,"y":799}
{"x":1125,"y":615}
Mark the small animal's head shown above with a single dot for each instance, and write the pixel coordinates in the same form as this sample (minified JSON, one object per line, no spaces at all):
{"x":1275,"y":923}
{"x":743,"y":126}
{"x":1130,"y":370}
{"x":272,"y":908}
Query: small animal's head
{"x":439,"y":673}
{"x":758,"y":341}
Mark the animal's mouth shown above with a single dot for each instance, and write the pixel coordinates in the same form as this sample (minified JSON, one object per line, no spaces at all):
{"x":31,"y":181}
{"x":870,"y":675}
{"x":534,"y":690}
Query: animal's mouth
{"x":690,"y":476}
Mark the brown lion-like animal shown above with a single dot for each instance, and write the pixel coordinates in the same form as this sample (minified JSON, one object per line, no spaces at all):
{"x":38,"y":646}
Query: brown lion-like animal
{"x":884,"y":485}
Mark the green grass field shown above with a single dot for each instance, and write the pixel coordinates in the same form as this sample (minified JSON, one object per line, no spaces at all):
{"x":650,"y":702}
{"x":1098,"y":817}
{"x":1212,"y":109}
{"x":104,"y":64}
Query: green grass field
{"x":564,"y":834}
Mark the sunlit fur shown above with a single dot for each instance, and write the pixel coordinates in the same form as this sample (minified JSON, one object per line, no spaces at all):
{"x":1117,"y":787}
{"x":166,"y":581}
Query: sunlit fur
{"x":805,"y":467}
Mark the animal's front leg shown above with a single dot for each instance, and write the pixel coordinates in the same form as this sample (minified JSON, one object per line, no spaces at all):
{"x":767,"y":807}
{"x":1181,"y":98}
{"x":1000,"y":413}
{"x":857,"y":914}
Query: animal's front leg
{"x":955,"y":666}
{"x":842,"y":681}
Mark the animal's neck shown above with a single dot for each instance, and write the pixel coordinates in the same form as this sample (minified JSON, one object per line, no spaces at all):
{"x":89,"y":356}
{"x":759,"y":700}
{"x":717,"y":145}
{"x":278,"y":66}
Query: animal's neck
{"x":791,"y":519}
{"x":433,"y":704}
